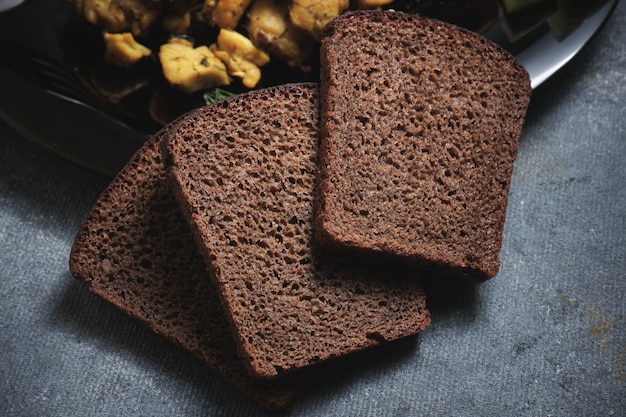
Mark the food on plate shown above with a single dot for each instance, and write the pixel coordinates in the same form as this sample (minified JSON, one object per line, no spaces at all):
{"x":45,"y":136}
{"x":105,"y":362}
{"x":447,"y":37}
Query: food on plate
{"x":135,"y":250}
{"x":244,"y":172}
{"x":223,"y":13}
{"x":372,"y":4}
{"x":313,"y":15}
{"x":288,"y":31}
{"x":191,"y":69}
{"x":420,"y":128}
{"x":270,"y":28}
{"x":123,"y":50}
{"x":136,"y":16}
{"x":241,"y":57}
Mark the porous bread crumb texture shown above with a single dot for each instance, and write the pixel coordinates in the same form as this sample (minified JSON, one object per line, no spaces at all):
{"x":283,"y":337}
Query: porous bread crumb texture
{"x":136,"y":251}
{"x":245,"y":171}
{"x":420,"y":129}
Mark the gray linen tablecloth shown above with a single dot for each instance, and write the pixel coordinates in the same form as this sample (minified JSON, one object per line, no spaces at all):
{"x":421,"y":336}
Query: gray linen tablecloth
{"x":546,"y":337}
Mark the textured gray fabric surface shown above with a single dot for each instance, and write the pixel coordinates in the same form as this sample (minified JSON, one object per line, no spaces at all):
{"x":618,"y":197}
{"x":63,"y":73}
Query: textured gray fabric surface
{"x":546,"y":337}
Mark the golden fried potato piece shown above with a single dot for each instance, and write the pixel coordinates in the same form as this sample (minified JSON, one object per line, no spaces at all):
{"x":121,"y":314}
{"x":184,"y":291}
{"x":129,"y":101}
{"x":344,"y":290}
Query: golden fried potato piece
{"x":270,"y":28}
{"x":372,"y":4}
{"x":224,"y":14}
{"x":135,"y":16}
{"x":122,"y":50}
{"x":241,"y":57}
{"x":314,"y":15}
{"x":191,"y":69}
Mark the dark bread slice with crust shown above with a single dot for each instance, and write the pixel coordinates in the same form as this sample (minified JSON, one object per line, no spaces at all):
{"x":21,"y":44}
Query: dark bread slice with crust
{"x":420,"y":127}
{"x":244,"y":172}
{"x":136,"y":251}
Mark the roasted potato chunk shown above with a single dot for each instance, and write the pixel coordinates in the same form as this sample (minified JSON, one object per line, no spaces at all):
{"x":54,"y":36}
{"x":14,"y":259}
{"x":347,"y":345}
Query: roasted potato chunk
{"x":135,"y":16}
{"x":123,"y":50}
{"x":191,"y":69}
{"x":314,"y":15}
{"x":372,"y":4}
{"x":224,"y":14}
{"x":241,"y":57}
{"x":270,"y":28}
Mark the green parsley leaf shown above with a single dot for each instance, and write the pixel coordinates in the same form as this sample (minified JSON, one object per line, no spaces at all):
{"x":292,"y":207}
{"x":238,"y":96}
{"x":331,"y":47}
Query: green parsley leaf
{"x":216,"y":94}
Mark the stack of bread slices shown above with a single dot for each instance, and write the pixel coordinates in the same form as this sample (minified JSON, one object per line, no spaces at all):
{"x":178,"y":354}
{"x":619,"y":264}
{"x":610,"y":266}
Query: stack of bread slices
{"x":292,"y":225}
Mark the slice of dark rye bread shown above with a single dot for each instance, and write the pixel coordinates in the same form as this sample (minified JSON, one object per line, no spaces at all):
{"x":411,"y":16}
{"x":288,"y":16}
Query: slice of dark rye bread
{"x":420,"y":126}
{"x":135,"y":250}
{"x":244,"y":172}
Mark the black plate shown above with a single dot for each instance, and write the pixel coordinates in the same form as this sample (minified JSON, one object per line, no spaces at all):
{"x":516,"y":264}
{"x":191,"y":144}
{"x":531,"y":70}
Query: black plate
{"x":101,"y":137}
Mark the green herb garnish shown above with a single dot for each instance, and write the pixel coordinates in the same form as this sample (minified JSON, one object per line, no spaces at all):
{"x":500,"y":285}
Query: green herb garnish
{"x":216,"y":94}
